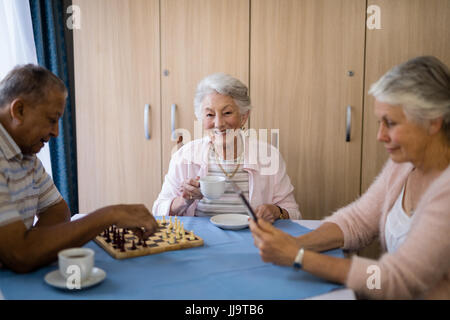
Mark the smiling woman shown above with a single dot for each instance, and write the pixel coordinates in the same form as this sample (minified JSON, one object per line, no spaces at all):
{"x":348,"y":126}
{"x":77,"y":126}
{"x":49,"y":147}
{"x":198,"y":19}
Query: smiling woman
{"x":223,"y":105}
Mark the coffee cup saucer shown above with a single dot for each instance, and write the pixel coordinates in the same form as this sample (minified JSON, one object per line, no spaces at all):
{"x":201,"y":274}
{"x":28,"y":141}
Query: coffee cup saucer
{"x":55,"y":279}
{"x":230,"y":221}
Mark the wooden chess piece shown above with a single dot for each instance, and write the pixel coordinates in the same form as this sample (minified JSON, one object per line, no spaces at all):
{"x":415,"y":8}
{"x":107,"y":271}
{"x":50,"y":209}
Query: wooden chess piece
{"x":123,"y":238}
{"x":108,"y":238}
{"x":114,"y":240}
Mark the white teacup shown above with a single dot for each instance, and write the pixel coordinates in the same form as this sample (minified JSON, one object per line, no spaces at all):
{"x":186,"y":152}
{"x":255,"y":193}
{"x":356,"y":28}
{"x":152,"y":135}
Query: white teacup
{"x":76,"y":261}
{"x":212,"y":187}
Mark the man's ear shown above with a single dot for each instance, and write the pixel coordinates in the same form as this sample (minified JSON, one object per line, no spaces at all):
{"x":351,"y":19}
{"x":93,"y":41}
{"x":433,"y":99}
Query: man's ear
{"x":435,"y":125}
{"x":17,"y":110}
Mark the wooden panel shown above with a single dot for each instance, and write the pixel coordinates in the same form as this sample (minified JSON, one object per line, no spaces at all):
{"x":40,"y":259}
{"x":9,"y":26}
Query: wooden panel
{"x":198,"y":37}
{"x":409,"y":28}
{"x":301,"y":52}
{"x":116,"y":73}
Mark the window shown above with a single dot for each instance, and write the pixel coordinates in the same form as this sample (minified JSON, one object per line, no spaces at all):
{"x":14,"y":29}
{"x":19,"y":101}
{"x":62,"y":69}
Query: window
{"x":17,"y":43}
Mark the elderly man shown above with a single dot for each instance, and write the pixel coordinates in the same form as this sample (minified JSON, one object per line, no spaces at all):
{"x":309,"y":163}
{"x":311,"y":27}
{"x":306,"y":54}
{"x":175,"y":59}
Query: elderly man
{"x":32,"y":100}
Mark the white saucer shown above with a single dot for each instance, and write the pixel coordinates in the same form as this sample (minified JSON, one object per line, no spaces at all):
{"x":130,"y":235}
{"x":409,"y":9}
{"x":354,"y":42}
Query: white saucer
{"x":55,"y":279}
{"x":231,"y":221}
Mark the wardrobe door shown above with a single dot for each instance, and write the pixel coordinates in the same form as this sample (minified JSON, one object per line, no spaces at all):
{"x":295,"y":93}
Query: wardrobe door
{"x":198,"y":38}
{"x":117,"y":77}
{"x":409,"y":28}
{"x":307,"y":63}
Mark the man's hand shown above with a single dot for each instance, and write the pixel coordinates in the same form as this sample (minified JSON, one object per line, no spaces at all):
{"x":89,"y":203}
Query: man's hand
{"x":136,"y":217}
{"x":23,"y":250}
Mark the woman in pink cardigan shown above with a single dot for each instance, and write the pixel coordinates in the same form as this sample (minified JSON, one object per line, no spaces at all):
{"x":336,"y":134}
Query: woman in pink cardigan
{"x":407,"y":206}
{"x":222,"y":105}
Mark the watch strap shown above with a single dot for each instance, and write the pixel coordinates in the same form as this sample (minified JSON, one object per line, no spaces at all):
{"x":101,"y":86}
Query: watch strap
{"x":281,"y":212}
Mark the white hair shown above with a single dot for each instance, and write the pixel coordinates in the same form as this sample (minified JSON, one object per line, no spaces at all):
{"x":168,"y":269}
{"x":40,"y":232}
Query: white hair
{"x":421,"y":86}
{"x":223,"y":84}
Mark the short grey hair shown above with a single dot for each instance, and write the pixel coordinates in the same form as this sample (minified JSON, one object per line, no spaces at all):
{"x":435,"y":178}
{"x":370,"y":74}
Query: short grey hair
{"x":30,"y":82}
{"x":421,"y":86}
{"x":223,"y":84}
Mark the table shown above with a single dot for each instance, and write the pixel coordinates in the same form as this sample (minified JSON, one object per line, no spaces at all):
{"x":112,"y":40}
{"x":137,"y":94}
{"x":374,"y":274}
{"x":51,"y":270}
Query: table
{"x":227,"y":267}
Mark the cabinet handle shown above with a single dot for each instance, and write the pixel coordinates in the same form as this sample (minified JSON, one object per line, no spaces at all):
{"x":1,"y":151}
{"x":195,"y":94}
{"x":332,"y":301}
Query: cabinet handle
{"x":349,"y":124}
{"x":146,"y":121}
{"x":172,"y":120}
{"x":274,"y":138}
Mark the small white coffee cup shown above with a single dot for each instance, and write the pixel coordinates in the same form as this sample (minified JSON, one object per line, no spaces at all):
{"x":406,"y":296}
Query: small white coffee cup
{"x":212,"y":187}
{"x":76,"y":261}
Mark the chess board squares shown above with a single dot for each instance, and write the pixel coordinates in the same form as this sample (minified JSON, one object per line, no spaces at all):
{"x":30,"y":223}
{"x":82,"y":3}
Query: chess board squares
{"x":160,"y":238}
{"x":119,"y":242}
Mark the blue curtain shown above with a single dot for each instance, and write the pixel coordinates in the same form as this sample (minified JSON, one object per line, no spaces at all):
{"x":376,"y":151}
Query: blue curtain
{"x":48,"y":18}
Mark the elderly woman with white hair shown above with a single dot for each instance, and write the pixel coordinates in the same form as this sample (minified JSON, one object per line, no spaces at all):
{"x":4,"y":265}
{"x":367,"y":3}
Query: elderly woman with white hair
{"x":407,"y":206}
{"x":223,"y":105}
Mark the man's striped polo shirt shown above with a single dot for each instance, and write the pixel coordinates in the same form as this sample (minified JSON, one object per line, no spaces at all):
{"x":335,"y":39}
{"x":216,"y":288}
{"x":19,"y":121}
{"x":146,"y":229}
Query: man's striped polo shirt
{"x":25,"y":188}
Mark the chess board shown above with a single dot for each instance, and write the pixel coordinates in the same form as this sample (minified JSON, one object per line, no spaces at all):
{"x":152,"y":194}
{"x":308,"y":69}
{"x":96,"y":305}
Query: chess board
{"x":122,"y":243}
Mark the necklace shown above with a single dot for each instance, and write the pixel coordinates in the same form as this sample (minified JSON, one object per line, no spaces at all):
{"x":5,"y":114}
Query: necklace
{"x":228,"y":175}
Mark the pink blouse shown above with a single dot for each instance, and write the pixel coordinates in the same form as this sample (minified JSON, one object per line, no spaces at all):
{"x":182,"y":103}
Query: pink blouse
{"x":268,"y":181}
{"x":420,"y":267}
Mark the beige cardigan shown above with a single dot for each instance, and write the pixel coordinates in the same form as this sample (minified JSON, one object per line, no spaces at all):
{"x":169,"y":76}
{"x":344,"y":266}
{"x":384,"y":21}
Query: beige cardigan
{"x":420,"y":268}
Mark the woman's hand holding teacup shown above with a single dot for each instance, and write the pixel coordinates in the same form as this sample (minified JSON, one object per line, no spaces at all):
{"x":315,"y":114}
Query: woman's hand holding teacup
{"x":190,"y":190}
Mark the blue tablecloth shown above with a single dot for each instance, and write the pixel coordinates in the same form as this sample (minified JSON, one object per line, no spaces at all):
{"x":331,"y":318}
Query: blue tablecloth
{"x":227,"y":267}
